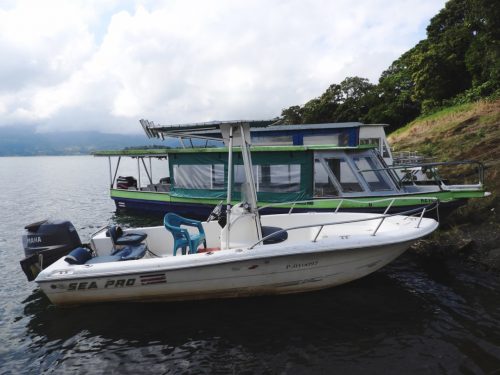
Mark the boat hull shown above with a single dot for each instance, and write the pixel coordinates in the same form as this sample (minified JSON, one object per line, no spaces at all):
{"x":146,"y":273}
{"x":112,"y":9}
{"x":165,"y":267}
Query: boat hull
{"x":158,"y":204}
{"x":266,"y":275}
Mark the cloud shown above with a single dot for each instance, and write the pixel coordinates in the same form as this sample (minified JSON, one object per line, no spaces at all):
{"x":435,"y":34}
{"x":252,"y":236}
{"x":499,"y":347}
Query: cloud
{"x":103,"y":65}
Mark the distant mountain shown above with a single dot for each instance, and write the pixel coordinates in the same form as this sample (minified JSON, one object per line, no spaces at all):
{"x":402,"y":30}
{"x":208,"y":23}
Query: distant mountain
{"x":25,"y":141}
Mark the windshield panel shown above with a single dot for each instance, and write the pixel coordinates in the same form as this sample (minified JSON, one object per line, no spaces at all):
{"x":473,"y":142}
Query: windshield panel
{"x":341,"y":171}
{"x":373,"y":177}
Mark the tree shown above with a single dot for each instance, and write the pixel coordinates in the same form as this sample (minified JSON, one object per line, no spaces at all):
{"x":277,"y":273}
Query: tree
{"x":438,"y":68}
{"x":483,"y":55}
{"x":348,"y":101}
{"x":395,"y":104}
{"x":356,"y":96}
{"x":291,"y":115}
{"x":461,"y":52}
{"x":458,"y":61}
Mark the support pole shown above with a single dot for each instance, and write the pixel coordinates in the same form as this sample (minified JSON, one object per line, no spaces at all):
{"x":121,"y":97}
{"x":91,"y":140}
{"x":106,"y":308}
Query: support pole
{"x":139,"y":174}
{"x":116,"y":171}
{"x":146,"y":169}
{"x":247,"y":162}
{"x":110,"y":173}
{"x":151,"y":169}
{"x":229,"y":185}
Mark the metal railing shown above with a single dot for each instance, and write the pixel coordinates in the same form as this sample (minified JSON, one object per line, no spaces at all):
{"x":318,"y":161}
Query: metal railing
{"x":432,"y":168}
{"x":374,"y":203}
{"x":409,"y":157}
{"x":420,"y":210}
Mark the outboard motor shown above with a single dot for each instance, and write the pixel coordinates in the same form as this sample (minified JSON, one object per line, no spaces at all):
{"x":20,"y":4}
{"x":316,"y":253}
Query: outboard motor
{"x":45,"y":242}
{"x":126,"y":182}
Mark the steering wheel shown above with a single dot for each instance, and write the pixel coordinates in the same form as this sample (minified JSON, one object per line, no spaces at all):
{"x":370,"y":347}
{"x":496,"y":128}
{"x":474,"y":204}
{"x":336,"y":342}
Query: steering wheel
{"x":216,"y":212}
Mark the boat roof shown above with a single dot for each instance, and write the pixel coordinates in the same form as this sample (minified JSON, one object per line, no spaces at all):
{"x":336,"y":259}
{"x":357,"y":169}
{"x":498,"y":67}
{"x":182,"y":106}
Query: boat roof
{"x":164,"y":152}
{"x":212,"y":130}
{"x":202,"y":130}
{"x":330,"y":125}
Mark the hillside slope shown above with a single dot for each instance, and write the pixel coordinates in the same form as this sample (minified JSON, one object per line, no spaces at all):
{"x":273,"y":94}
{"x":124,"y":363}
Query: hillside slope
{"x":465,"y":132}
{"x":469,"y":131}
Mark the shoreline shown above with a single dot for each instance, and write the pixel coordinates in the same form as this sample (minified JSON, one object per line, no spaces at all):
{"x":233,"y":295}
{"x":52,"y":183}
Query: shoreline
{"x":474,"y":239}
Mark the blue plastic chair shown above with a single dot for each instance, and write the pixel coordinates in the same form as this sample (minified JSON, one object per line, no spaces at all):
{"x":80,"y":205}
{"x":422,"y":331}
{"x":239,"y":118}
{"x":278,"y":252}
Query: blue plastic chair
{"x":182,"y":238}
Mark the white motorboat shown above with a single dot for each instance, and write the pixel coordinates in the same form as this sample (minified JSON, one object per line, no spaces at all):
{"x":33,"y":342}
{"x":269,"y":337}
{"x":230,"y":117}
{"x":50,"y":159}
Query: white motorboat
{"x":249,"y":255}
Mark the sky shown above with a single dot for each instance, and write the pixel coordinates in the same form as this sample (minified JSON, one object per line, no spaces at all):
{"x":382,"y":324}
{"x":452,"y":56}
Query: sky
{"x":103,"y":64}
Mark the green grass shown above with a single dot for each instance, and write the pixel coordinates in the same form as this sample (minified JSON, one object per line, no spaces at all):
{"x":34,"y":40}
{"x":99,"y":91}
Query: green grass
{"x":462,"y":132}
{"x":435,"y":117}
{"x":448,"y":111}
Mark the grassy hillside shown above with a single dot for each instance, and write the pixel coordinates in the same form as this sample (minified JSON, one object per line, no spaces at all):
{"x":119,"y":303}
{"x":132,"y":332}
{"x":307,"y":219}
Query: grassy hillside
{"x":468,"y":131}
{"x":464,"y":132}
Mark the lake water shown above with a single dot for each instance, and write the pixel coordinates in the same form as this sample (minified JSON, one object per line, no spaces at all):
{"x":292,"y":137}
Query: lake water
{"x":413,"y":316}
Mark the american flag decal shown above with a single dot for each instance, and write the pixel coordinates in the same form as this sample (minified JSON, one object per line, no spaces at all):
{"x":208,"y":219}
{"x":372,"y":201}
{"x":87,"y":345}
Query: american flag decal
{"x":155,"y":278}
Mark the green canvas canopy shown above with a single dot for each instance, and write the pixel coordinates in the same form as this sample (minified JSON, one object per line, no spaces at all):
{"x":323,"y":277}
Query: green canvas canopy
{"x":279,"y":175}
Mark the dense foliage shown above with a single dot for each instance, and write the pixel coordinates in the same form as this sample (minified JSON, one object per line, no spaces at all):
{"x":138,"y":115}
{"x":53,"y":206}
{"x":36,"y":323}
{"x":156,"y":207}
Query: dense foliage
{"x":459,"y":61}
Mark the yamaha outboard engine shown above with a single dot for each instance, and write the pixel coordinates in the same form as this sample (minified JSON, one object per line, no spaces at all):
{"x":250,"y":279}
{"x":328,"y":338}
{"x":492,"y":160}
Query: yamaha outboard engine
{"x":45,"y":242}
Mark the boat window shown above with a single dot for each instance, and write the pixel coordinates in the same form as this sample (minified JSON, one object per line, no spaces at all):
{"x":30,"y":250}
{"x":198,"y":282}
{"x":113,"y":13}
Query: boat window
{"x":209,"y":176}
{"x":271,"y":178}
{"x":381,"y":145}
{"x":385,"y":150}
{"x":323,"y":186}
{"x":338,"y":139}
{"x":267,"y":140}
{"x":342,"y":172}
{"x":285,"y":177}
{"x":370,"y":141}
{"x":374,"y":178}
{"x":344,"y":175}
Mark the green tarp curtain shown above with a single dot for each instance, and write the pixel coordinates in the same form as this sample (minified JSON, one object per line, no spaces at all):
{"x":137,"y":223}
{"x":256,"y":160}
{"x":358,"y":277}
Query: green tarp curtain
{"x":280,"y":175}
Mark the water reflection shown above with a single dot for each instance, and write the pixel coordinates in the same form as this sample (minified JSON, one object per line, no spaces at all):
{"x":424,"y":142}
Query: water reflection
{"x":345,"y":323}
{"x":130,"y":221}
{"x":413,"y":314}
